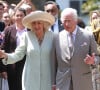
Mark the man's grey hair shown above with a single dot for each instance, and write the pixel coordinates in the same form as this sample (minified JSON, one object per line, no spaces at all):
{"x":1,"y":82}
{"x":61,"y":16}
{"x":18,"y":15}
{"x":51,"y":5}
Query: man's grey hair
{"x":67,"y":11}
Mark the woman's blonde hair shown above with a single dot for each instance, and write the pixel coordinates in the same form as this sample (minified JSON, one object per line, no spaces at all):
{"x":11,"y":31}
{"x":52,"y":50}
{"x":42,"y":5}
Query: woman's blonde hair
{"x":95,"y":24}
{"x":91,"y":13}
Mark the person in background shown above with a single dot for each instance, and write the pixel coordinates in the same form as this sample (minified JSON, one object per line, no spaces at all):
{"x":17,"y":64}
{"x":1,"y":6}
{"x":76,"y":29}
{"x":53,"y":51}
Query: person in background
{"x":25,"y":2}
{"x":27,"y":7}
{"x":76,"y":52}
{"x":2,"y":25}
{"x":54,"y":9}
{"x":95,"y":29}
{"x":38,"y":46}
{"x":11,"y":9}
{"x":94,"y":15}
{"x":80,"y":23}
{"x":6,"y":6}
{"x":95,"y":26}
{"x":12,"y":39}
{"x":6,"y":19}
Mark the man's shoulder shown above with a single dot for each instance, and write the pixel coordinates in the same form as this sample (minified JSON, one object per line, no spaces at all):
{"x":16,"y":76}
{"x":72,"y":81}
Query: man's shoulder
{"x":86,"y":32}
{"x":63,"y":31}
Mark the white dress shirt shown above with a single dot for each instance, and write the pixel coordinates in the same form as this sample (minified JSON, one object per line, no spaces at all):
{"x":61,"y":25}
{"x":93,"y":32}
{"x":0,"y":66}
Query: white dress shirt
{"x":55,"y":27}
{"x":19,"y":34}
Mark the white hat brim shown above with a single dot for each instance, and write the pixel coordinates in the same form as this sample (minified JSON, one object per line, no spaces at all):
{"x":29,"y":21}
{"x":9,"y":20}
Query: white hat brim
{"x":38,"y":16}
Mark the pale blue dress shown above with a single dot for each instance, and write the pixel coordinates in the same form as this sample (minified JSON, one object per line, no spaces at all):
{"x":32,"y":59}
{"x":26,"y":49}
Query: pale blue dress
{"x":37,"y":69}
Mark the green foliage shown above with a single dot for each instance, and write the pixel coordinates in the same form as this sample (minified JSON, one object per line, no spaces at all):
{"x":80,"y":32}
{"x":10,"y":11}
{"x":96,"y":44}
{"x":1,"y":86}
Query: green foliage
{"x":90,"y":5}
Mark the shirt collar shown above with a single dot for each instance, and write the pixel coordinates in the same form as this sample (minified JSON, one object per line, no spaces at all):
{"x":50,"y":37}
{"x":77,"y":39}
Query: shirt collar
{"x":56,"y":22}
{"x":75,"y":31}
{"x":18,"y":30}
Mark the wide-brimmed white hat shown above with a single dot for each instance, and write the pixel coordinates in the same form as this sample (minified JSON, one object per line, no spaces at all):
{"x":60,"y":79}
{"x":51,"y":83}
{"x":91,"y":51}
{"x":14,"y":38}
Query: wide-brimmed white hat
{"x":38,"y":16}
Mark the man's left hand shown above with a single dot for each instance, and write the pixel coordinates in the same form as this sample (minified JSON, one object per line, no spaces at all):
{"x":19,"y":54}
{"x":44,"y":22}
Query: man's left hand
{"x":90,"y":59}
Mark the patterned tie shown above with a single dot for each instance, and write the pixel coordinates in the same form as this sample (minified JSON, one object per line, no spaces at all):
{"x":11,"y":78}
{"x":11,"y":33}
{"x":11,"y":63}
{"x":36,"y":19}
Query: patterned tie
{"x":71,"y":46}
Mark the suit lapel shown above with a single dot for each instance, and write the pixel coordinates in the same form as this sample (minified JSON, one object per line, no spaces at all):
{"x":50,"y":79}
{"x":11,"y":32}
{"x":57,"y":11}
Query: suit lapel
{"x":64,"y":38}
{"x":60,"y":26}
{"x":77,"y":39}
{"x":64,"y":43}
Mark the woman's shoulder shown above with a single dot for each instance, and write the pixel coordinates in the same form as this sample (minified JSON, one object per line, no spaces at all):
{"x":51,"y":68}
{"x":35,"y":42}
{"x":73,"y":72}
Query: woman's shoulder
{"x":50,"y":33}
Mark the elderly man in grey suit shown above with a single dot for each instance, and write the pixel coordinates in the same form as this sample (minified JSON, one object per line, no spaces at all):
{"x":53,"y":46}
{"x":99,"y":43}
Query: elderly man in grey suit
{"x":73,"y":66}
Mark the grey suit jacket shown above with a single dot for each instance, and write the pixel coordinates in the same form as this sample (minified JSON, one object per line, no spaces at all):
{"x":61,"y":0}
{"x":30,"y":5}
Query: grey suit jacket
{"x":74,"y":68}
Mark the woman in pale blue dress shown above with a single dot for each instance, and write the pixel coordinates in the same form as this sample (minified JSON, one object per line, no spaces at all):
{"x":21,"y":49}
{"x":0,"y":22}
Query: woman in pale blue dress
{"x":37,"y":44}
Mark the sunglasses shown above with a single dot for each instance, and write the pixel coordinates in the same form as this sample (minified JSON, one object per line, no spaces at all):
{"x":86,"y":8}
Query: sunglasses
{"x":50,"y":10}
